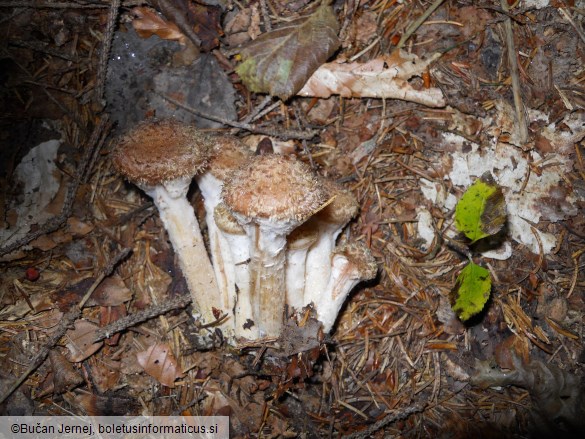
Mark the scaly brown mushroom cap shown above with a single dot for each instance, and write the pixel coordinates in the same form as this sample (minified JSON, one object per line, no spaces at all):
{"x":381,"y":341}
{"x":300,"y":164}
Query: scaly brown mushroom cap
{"x":361,"y":258}
{"x":157,"y":151}
{"x":276,"y":188}
{"x":229,"y":153}
{"x":343,"y":207}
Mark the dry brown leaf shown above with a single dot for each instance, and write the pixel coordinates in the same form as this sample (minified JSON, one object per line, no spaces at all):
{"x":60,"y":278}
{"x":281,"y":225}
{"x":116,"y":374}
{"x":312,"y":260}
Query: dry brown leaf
{"x":159,"y":362}
{"x":149,"y":23}
{"x":78,"y":227}
{"x":80,"y":341}
{"x":111,"y":292}
{"x":383,"y":77}
{"x":65,"y":377}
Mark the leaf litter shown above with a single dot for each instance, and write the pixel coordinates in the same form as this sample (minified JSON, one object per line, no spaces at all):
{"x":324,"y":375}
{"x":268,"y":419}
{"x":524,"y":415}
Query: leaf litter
{"x":399,"y":358}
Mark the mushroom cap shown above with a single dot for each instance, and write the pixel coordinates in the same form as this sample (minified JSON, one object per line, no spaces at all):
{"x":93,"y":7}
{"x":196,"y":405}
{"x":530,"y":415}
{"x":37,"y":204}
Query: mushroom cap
{"x":343,"y":207}
{"x":156,"y":151}
{"x":360,"y":257}
{"x":226,"y":221}
{"x":229,"y":153}
{"x":275,"y":188}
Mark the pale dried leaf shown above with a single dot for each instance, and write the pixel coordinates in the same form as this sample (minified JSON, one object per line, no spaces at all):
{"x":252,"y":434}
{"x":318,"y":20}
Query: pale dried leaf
{"x":383,"y":77}
{"x":159,"y":362}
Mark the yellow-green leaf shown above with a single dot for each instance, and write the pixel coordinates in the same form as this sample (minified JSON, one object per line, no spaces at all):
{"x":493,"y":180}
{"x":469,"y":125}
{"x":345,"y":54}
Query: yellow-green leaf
{"x":281,"y":61}
{"x":471,"y":292}
{"x":481,"y":211}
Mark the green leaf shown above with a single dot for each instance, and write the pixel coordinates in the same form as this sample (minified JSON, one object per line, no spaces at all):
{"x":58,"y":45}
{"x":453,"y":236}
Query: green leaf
{"x":281,"y":61}
{"x":481,"y":211}
{"x":471,"y":292}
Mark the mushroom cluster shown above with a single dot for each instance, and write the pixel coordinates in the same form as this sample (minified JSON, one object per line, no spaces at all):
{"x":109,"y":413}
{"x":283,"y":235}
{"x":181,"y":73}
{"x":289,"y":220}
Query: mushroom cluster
{"x":272,"y":226}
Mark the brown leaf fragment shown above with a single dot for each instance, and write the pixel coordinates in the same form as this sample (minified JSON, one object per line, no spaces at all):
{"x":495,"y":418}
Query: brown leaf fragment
{"x":78,"y":227}
{"x":159,"y":362}
{"x":96,"y":405}
{"x":148,"y":23}
{"x":80,"y":341}
{"x":281,"y":61}
{"x":65,"y":377}
{"x":383,"y":77}
{"x":206,"y":24}
{"x":493,"y":216}
{"x":110,"y":314}
{"x":111,"y":292}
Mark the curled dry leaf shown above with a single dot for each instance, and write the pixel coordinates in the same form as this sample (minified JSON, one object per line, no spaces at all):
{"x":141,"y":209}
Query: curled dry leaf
{"x":383,"y":77}
{"x":159,"y":362}
{"x":148,"y":23}
{"x":281,"y":61}
{"x":80,"y":341}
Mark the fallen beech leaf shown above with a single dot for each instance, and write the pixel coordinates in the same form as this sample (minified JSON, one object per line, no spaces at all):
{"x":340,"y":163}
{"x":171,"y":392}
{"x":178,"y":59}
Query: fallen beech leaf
{"x":80,"y":341}
{"x":383,"y":77}
{"x":159,"y":362}
{"x":281,"y":61}
{"x":148,"y":23}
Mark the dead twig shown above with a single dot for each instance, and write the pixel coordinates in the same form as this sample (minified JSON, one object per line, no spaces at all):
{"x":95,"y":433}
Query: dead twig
{"x":124,"y":323}
{"x":513,"y":60}
{"x":283,"y":134}
{"x":388,"y":419}
{"x":416,"y":24}
{"x":177,"y":16}
{"x":105,"y":52}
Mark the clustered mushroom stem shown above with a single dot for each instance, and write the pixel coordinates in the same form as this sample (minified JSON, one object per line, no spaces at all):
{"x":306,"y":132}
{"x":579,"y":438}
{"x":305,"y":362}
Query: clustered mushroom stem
{"x":184,"y":233}
{"x":350,"y":265}
{"x":299,"y":243}
{"x":236,"y":260}
{"x":267,"y":278}
{"x":210,"y":188}
{"x":319,"y":263}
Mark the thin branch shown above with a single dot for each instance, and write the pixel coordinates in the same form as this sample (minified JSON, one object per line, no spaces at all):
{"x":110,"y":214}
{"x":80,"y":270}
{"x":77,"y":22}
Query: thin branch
{"x":283,"y":134}
{"x":124,"y":323}
{"x":388,"y":419}
{"x":513,"y":61}
{"x":105,"y":52}
{"x":416,"y":24}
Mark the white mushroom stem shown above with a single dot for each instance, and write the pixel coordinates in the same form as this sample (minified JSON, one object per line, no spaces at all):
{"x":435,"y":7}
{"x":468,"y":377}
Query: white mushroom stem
{"x":329,"y":222}
{"x":210,"y":187}
{"x":299,"y":242}
{"x":236,"y":264}
{"x":267,"y":275}
{"x":319,"y":260}
{"x":350,"y":265}
{"x":181,"y":224}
